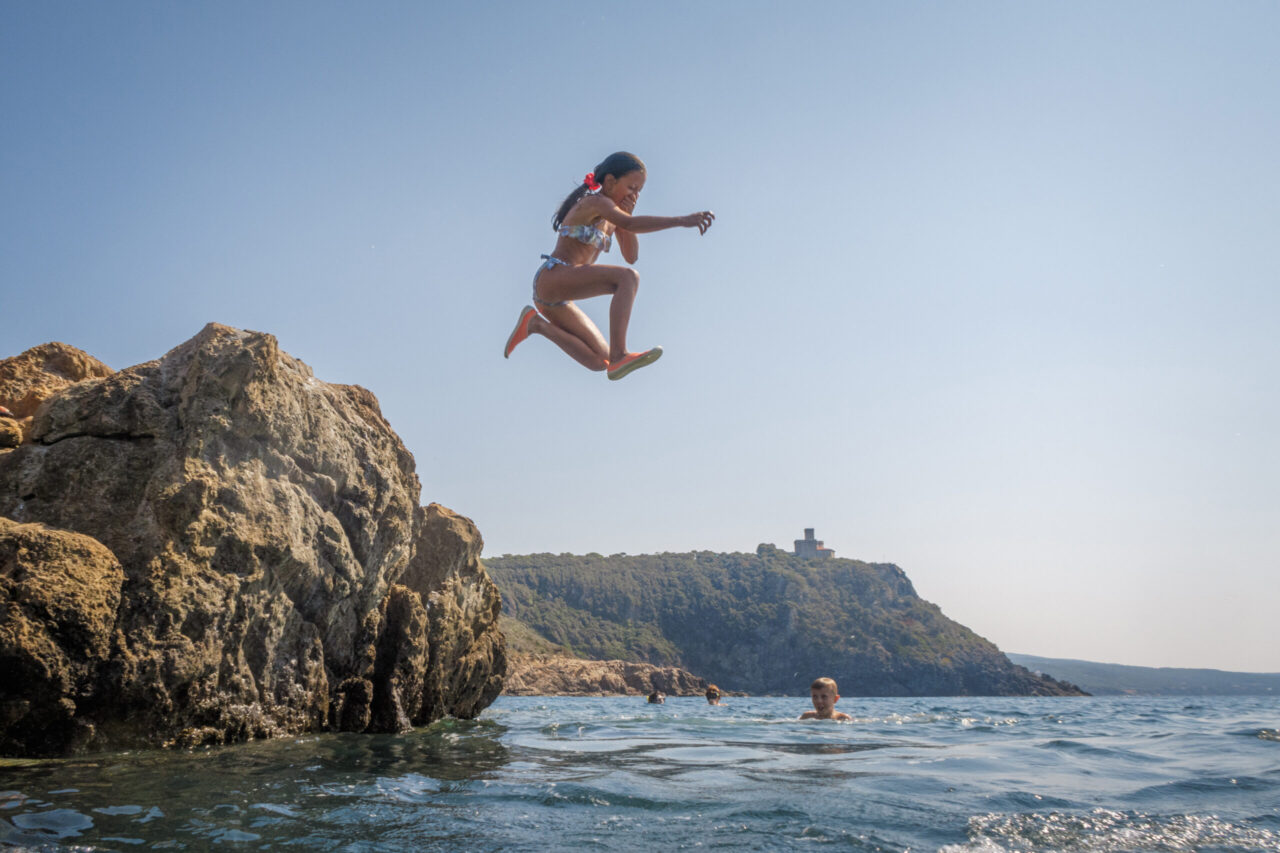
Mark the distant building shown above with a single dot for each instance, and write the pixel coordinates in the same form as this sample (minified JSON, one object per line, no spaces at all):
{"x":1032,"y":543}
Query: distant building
{"x":808,"y":547}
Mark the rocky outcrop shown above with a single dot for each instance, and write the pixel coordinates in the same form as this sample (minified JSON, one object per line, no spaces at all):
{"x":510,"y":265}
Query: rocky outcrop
{"x":560,"y":675}
{"x":10,"y":432}
{"x":273,"y":571}
{"x":27,"y":380}
{"x":60,"y":593}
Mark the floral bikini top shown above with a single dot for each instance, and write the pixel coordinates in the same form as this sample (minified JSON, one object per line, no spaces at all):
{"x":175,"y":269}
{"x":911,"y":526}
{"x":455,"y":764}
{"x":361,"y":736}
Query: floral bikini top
{"x":588,"y":234}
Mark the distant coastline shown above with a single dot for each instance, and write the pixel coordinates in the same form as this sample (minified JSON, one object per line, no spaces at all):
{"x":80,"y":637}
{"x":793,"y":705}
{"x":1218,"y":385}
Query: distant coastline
{"x":1112,"y":679}
{"x":765,"y":623}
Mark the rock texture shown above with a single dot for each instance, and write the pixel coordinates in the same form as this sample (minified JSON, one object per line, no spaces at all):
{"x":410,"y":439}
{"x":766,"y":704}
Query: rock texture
{"x":10,"y":433}
{"x":560,"y":675}
{"x":273,"y":571}
{"x":27,"y":380}
{"x":60,"y":593}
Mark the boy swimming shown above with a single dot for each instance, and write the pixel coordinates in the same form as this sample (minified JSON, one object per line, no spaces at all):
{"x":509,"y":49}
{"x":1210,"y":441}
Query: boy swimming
{"x":825,"y":695}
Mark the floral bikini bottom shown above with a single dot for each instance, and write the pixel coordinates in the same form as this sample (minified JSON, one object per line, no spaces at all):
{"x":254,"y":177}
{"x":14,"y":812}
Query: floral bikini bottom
{"x":548,"y":262}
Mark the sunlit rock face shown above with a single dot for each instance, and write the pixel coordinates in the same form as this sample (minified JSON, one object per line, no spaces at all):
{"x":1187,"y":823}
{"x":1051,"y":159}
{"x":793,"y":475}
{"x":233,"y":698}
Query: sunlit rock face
{"x":273,"y":570}
{"x":561,"y":675}
{"x":28,"y":379}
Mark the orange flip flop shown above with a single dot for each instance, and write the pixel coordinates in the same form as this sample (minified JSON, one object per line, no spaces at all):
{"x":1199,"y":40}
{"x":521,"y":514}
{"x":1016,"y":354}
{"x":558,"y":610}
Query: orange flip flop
{"x":522,"y":329}
{"x":633,"y":361}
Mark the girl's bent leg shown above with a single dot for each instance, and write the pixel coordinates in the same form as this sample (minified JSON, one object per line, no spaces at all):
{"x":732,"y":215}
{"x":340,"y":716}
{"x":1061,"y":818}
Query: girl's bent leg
{"x":569,"y":328}
{"x":624,"y":299}
{"x":584,"y":282}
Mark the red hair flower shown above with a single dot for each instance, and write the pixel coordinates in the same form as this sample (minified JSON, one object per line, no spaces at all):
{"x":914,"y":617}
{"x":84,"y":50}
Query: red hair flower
{"x":590,"y":181}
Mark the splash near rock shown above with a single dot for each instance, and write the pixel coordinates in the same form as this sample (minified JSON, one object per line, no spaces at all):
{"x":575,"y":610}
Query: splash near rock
{"x":273,"y":570}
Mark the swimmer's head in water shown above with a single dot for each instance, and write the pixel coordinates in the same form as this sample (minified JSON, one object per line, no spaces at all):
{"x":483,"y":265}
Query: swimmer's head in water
{"x":824,"y":695}
{"x":824,"y":683}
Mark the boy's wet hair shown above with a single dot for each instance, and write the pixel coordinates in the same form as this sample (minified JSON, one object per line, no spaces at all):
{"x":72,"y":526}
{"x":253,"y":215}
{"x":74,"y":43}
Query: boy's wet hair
{"x":617,"y":164}
{"x":824,"y":684}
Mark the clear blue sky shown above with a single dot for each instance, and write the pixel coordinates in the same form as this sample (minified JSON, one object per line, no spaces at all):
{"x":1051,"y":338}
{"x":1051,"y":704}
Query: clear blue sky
{"x":992,"y":293}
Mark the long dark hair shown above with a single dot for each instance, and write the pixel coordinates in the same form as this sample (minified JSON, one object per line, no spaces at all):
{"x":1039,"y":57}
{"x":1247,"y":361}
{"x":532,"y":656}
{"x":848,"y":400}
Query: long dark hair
{"x":617,"y":164}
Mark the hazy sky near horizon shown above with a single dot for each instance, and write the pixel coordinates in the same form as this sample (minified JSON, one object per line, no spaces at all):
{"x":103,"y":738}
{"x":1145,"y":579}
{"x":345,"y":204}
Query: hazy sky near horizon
{"x":992,"y":291}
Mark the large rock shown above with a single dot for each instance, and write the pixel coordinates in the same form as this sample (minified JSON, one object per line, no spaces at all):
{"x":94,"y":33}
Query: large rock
{"x":278,"y":573}
{"x":560,"y":675}
{"x":60,"y":593}
{"x":28,"y":379}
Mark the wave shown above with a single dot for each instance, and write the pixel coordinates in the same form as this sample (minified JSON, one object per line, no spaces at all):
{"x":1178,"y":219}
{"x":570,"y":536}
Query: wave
{"x":1107,"y":831}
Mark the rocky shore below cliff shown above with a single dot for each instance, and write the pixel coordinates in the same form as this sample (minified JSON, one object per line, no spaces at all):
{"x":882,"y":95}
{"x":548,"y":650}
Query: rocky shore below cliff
{"x":217,"y":546}
{"x":561,"y":675}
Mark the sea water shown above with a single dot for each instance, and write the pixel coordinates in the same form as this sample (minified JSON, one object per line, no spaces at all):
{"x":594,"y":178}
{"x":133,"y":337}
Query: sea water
{"x":938,"y":774}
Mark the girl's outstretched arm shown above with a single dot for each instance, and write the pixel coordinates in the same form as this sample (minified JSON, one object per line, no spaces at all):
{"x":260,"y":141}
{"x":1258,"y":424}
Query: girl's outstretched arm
{"x":648,"y":224}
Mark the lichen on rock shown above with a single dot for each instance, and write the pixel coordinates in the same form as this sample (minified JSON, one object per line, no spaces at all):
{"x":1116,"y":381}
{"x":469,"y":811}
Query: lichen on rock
{"x":277,"y":572}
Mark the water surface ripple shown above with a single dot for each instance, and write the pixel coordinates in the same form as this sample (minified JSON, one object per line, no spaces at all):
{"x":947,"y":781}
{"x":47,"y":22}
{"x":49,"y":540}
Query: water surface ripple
{"x":955,"y":775}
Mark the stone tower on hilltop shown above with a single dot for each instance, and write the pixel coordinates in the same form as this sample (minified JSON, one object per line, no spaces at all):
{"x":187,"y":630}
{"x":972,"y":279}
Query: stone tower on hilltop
{"x":809,"y":548}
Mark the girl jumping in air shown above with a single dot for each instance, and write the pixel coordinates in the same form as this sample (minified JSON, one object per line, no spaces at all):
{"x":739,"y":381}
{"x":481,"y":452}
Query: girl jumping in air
{"x":596,"y":212}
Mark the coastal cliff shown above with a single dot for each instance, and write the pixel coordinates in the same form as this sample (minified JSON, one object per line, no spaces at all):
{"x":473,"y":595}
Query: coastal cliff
{"x":765,"y":623}
{"x":217,"y":546}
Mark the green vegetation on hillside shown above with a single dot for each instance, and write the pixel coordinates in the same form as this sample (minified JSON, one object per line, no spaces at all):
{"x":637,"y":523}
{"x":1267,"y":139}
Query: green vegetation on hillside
{"x":766,"y":622}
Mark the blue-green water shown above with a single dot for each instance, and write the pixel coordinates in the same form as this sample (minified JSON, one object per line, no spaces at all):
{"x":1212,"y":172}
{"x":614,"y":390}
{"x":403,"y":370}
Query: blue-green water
{"x":950,"y":774}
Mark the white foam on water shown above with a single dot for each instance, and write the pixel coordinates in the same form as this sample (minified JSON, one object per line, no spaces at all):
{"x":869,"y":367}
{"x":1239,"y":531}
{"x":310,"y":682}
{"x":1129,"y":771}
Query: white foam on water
{"x":1108,"y":831}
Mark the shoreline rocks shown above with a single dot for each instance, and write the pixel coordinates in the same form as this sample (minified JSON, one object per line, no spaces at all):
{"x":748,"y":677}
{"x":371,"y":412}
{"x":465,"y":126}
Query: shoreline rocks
{"x":561,"y":675}
{"x":275,"y":573}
